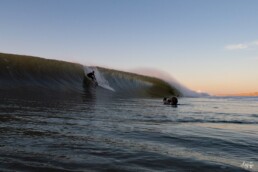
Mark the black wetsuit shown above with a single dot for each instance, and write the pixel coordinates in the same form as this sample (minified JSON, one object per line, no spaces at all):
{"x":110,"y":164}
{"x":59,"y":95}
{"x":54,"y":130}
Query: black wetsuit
{"x":92,"y":76}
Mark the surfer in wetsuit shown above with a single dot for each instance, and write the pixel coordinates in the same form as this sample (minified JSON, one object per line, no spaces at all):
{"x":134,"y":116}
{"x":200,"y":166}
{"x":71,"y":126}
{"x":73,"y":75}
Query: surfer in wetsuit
{"x":92,"y":76}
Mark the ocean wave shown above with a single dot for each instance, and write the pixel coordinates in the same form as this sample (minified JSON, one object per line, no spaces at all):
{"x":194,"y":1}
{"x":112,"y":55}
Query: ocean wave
{"x":34,"y":73}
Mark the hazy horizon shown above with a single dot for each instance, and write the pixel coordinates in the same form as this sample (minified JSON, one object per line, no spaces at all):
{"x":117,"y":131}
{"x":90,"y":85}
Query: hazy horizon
{"x":208,"y":46}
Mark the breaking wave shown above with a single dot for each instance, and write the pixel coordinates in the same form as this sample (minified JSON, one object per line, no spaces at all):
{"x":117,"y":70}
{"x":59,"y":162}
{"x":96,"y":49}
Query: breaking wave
{"x":186,"y":92}
{"x":33,"y":73}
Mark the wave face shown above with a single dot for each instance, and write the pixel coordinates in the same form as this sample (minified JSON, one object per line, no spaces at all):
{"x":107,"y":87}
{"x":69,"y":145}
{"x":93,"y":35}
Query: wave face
{"x":36,"y":74}
{"x":133,"y":84}
{"x":130,"y":84}
{"x":30,"y":72}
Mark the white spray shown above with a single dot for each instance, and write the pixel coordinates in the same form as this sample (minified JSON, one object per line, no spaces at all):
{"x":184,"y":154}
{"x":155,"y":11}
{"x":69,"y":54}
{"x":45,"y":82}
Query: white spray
{"x":102,"y":82}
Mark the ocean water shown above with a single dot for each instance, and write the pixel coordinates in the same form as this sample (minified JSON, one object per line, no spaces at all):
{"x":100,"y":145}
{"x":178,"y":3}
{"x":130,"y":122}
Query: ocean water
{"x":107,"y":133}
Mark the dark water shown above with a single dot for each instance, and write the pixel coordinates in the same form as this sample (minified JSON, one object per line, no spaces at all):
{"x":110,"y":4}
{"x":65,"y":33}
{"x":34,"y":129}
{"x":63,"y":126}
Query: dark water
{"x":82,"y":133}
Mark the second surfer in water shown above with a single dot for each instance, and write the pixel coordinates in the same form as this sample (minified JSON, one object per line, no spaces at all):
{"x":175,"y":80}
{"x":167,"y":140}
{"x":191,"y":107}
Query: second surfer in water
{"x":92,"y":76}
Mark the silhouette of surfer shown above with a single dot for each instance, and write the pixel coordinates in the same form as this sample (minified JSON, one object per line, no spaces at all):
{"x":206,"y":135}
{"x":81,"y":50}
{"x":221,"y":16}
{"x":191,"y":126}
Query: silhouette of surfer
{"x":92,"y":76}
{"x":170,"y":101}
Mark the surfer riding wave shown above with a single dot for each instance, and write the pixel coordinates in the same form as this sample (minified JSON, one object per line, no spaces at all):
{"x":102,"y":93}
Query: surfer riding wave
{"x":91,"y":75}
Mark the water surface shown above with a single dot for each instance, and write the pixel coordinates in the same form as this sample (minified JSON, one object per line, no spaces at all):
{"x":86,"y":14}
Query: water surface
{"x":107,"y":133}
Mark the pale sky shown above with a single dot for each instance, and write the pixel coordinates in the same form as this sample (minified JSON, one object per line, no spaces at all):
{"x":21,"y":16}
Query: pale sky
{"x":207,"y":45}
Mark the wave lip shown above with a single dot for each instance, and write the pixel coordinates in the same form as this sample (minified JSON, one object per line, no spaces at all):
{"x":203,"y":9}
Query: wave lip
{"x":186,"y":92}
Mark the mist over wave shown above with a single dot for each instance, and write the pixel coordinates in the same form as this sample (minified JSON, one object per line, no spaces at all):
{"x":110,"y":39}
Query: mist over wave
{"x":169,"y":79}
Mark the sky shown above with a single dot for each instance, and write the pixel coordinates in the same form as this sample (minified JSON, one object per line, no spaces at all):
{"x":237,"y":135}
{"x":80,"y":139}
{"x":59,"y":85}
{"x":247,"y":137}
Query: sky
{"x":207,"y":45}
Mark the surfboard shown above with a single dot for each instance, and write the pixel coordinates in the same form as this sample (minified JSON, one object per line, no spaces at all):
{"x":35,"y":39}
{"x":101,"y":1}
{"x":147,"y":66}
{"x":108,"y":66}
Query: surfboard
{"x":95,"y":83}
{"x":106,"y":87}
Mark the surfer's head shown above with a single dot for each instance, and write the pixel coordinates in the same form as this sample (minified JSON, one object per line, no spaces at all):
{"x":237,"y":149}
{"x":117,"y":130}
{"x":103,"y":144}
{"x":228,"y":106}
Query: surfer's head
{"x":174,"y":101}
